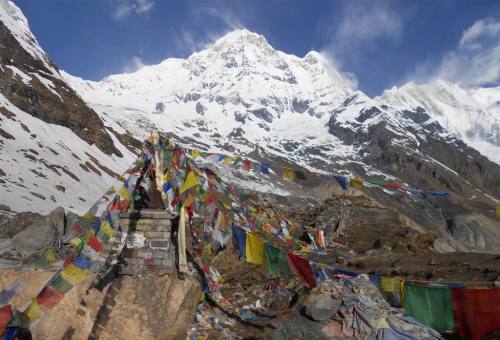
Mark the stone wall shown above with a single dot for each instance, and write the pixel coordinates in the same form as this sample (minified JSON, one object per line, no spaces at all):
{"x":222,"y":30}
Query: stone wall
{"x":149,"y":246}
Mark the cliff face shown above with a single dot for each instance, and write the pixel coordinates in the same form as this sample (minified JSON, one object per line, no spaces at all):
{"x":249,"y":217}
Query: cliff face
{"x":148,"y":307}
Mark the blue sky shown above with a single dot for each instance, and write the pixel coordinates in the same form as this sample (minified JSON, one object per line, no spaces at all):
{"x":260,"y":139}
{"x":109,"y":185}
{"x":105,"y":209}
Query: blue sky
{"x":381,"y":43}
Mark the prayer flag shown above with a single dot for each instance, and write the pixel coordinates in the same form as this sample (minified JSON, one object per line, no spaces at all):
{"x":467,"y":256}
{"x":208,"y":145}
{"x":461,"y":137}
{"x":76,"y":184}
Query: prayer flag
{"x":32,"y":313}
{"x":246,"y":165}
{"x":239,"y":237}
{"x":49,"y":298}
{"x":300,"y":175}
{"x":124,"y":194}
{"x":228,"y":160}
{"x":393,"y":185}
{"x":476,"y":312}
{"x":60,"y":284}
{"x":356,"y":182}
{"x":191,"y":181}
{"x":254,"y":249}
{"x":430,"y":305}
{"x":264,"y":168}
{"x":73,"y":274}
{"x":95,"y":243}
{"x":377,"y":181}
{"x":195,"y":154}
{"x":301,"y":267}
{"x":498,"y":211}
{"x":276,"y":260}
{"x":5,"y":317}
{"x":391,"y":289}
{"x":288,"y":174}
{"x":106,"y":228}
{"x":81,"y":262}
{"x":438,"y":193}
{"x":342,"y":181}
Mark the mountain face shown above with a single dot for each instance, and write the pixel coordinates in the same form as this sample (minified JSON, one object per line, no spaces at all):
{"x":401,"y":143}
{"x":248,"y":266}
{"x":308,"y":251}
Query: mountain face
{"x":55,"y":150}
{"x":473,"y":115}
{"x":242,"y":97}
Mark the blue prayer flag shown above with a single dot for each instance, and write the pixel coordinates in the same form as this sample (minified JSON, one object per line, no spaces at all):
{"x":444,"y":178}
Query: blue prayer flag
{"x":342,"y":181}
{"x":264,"y":168}
{"x":239,"y":238}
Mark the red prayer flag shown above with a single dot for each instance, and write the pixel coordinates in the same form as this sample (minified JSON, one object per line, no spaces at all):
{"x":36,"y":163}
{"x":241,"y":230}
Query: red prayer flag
{"x":301,"y":267}
{"x":212,"y":197}
{"x":49,"y":298}
{"x":95,"y":243}
{"x":78,"y":228}
{"x":246,"y":165}
{"x":476,"y":312}
{"x":5,"y":317}
{"x":393,"y":185}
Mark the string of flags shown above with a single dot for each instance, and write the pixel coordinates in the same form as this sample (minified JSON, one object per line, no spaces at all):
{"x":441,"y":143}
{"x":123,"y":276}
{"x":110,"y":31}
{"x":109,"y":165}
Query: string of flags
{"x":226,"y":215}
{"x":291,"y":175}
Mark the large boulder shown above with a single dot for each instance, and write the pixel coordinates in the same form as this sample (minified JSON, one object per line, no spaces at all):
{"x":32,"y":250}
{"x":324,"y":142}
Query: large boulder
{"x":322,"y":307}
{"x":39,"y":235}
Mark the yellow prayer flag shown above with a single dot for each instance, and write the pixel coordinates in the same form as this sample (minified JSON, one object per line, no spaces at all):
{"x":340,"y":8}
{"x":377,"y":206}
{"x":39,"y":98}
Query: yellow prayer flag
{"x":389,"y":284}
{"x":75,"y":241}
{"x":498,"y":211}
{"x":89,"y":216}
{"x":73,"y":274}
{"x":356,"y":182}
{"x":106,"y":228}
{"x":195,"y":153}
{"x":33,"y":311}
{"x":254,"y":249}
{"x":288,"y":174}
{"x":191,"y":181}
{"x":228,"y":160}
{"x":124,"y":194}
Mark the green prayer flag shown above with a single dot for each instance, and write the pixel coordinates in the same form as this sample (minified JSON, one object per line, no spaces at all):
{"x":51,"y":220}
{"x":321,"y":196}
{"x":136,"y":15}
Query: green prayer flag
{"x":276,"y":260}
{"x":432,"y":306}
{"x":60,"y":284}
{"x":377,"y":181}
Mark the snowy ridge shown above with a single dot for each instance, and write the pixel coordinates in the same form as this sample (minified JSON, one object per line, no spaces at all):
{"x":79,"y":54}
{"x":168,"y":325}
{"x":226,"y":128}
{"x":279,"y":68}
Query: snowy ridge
{"x":473,"y":115}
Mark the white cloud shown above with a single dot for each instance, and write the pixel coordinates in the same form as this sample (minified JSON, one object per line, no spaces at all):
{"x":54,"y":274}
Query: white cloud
{"x":124,"y":8}
{"x":481,"y":28}
{"x":355,"y":29}
{"x":476,"y":59}
{"x":135,"y":64}
{"x":363,"y":22}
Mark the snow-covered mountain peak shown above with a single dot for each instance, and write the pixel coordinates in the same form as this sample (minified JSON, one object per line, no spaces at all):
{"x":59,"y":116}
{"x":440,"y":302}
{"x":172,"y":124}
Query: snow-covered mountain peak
{"x":240,"y":37}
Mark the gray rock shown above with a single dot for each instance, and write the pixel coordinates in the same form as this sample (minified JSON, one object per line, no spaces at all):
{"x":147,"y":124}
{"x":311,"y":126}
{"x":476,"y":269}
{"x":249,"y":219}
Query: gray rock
{"x":322,"y":307}
{"x":71,"y":219}
{"x":4,"y":207}
{"x":57,"y":218}
{"x":39,"y":235}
